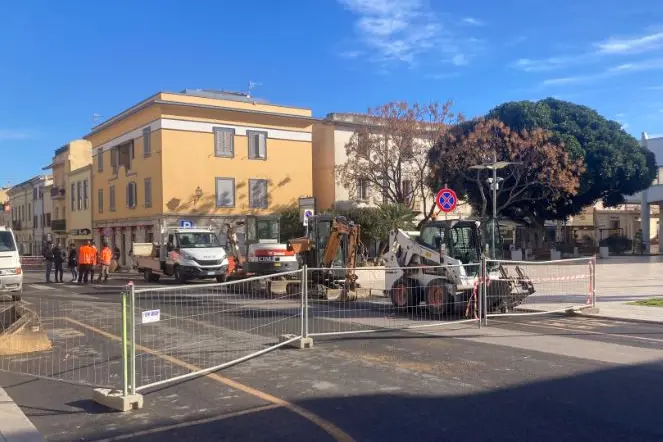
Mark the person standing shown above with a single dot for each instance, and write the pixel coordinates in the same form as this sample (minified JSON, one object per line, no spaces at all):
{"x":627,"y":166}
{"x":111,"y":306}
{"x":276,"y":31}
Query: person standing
{"x":48,"y":256}
{"x":58,"y":262}
{"x":84,"y":261}
{"x":73,"y":263}
{"x":106,"y":258}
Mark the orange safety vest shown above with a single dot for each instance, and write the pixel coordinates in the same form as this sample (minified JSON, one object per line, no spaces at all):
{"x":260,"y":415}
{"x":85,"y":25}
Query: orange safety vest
{"x":84,"y":255}
{"x":106,"y":256}
{"x":93,"y":255}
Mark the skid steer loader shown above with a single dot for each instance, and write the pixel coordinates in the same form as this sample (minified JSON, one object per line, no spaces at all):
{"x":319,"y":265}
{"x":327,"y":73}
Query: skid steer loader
{"x":441,"y":266}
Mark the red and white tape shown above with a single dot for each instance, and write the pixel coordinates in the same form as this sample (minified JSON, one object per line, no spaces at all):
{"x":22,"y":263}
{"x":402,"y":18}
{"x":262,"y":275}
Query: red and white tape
{"x":538,"y":280}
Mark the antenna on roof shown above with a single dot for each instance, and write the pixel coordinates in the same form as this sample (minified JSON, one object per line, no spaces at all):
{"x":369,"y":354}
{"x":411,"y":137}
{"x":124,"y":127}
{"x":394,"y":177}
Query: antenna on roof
{"x":252,"y":84}
{"x":96,"y":118}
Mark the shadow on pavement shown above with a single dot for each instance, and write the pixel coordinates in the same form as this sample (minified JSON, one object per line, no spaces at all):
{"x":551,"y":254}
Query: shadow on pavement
{"x":616,"y":404}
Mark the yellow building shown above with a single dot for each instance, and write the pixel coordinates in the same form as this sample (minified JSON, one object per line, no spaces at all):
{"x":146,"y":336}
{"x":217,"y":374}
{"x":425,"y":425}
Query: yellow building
{"x":30,"y":214}
{"x":198,"y":156}
{"x":5,"y":207}
{"x":69,"y":169}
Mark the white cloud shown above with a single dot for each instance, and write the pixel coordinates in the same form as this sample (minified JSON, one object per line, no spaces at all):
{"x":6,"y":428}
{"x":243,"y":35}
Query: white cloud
{"x":611,"y":47}
{"x":402,"y":31}
{"x":645,"y":65}
{"x":351,"y":54}
{"x":15,"y":134}
{"x":631,"y":45}
{"x":472,"y":21}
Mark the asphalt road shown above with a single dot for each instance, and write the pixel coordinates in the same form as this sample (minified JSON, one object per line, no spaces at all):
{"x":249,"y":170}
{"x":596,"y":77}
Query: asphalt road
{"x":525,"y":378}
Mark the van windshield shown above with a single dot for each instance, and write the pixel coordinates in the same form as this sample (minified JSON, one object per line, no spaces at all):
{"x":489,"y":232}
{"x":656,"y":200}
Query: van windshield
{"x":197,"y":240}
{"x":7,"y":242}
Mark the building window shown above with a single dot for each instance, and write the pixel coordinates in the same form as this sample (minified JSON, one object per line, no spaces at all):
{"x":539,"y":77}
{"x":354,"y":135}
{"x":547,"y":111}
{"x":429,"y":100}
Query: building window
{"x":258,"y":194}
{"x":100,"y":160}
{"x":48,"y":220}
{"x":257,"y":145}
{"x":225,"y":192}
{"x":100,"y":200}
{"x":35,"y":221}
{"x":111,"y":198}
{"x":73,"y":197}
{"x":57,"y":213}
{"x":79,"y":197}
{"x":224,"y":142}
{"x":86,"y":200}
{"x":131,"y":195}
{"x":147,"y":142}
{"x":34,"y":194}
{"x":363,"y":187}
{"x":148,"y":192}
{"x":29,"y":210}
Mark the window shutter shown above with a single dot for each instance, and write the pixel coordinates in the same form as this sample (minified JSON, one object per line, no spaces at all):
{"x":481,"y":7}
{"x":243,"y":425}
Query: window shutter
{"x":261,"y":146}
{"x":147,"y":142}
{"x":218,"y":143}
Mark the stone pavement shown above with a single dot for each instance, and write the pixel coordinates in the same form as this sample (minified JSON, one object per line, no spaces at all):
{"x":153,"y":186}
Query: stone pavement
{"x":14,"y":425}
{"x":623,"y":311}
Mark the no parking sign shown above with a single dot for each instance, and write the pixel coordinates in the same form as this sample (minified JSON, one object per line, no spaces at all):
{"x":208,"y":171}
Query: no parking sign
{"x":446,"y":200}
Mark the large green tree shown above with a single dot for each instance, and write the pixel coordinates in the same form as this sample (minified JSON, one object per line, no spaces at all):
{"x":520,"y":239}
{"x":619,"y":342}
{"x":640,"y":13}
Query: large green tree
{"x":615,"y":164}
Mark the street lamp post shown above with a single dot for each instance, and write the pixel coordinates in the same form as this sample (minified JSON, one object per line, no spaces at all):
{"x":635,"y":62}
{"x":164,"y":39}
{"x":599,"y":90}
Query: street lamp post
{"x":494,"y":186}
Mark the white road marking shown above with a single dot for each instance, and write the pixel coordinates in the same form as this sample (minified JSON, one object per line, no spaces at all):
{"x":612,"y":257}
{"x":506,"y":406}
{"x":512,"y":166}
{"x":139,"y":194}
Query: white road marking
{"x":41,"y":287}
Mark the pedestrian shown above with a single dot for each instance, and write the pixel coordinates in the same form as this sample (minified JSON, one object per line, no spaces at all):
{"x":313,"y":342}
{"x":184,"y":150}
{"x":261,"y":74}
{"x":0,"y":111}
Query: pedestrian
{"x":73,"y":263}
{"x":84,"y":262}
{"x":58,"y":261}
{"x":48,"y":257}
{"x":115,"y":263}
{"x":106,"y":258}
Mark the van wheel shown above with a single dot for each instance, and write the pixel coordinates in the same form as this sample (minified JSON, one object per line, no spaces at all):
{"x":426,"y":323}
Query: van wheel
{"x":179,"y":277}
{"x":221,"y":278}
{"x":154,"y":277}
{"x":147,"y":275}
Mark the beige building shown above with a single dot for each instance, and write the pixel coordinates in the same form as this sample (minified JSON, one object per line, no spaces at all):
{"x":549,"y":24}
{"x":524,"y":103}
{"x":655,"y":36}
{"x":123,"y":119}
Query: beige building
{"x":31,"y":214}
{"x":70,"y":165}
{"x":330,"y":137}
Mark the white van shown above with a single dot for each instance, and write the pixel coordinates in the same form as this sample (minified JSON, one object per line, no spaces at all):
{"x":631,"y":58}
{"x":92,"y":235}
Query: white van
{"x":11,"y":274}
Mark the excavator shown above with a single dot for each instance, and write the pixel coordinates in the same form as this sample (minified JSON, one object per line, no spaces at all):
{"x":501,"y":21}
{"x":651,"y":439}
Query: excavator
{"x":330,"y":250}
{"x":440,"y":265}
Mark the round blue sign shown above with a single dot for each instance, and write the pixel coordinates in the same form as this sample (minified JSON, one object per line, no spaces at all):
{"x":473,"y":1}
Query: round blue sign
{"x":446,"y":200}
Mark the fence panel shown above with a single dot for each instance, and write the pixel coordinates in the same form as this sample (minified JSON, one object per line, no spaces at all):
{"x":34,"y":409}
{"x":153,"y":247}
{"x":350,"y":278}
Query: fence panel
{"x":530,"y":287}
{"x":386,"y":298}
{"x":188,"y":330}
{"x":63,"y":338}
{"x":33,"y":262}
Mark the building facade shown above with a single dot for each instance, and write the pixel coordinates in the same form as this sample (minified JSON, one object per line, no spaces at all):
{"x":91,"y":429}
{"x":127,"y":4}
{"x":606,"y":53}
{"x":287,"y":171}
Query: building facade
{"x":5,"y":207}
{"x":330,"y":137}
{"x":197,"y":156}
{"x":30,"y":214}
{"x":67,"y":164}
{"x":79,"y":205}
{"x":652,"y":196}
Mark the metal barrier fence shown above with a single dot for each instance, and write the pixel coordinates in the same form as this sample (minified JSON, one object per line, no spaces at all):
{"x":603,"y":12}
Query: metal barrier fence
{"x":62,"y":338}
{"x":153,"y":336}
{"x":384,"y":298}
{"x":33,"y":262}
{"x":546,"y":287}
{"x":185,"y":331}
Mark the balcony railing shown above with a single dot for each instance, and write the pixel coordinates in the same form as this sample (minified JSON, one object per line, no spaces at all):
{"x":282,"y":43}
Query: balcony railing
{"x":57,"y":192}
{"x":59,"y":225}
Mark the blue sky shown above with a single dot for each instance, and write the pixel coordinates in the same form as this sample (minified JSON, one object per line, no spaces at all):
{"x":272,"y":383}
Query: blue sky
{"x":63,"y":62}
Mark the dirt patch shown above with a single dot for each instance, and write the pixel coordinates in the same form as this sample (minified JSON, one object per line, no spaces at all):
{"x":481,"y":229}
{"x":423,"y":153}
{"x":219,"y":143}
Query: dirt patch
{"x":20,"y":330}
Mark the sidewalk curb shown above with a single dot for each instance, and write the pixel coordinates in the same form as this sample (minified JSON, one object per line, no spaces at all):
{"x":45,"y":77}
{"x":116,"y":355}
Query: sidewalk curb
{"x":14,"y":425}
{"x":620,"y":318}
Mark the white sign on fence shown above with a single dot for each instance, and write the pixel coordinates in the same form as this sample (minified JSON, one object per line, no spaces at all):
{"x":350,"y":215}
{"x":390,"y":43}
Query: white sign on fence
{"x":151,"y":316}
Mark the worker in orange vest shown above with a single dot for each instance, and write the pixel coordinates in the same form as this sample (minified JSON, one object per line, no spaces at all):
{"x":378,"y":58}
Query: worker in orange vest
{"x":106,"y":256}
{"x":85,"y":261}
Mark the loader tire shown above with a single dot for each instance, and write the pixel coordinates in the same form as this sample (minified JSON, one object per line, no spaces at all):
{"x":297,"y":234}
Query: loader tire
{"x":437,"y":297}
{"x":403,"y":294}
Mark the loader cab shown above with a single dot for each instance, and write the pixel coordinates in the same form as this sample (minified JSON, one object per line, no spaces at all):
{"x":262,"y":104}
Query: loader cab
{"x":487,"y":229}
{"x":461,"y":239}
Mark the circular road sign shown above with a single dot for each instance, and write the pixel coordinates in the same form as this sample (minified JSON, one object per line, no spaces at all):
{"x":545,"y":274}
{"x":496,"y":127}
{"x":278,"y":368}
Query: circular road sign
{"x":446,"y":200}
